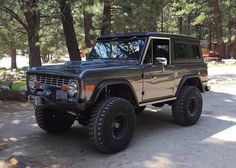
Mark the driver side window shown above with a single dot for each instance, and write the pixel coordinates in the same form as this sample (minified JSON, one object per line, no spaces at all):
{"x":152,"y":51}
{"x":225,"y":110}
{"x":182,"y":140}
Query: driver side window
{"x":158,"y":50}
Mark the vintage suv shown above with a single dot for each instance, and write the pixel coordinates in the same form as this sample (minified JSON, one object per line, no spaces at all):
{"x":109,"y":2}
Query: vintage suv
{"x":122,"y":75}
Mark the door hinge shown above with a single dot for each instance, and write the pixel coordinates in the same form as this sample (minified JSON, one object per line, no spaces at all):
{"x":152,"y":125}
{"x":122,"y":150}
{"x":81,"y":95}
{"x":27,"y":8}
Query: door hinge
{"x":143,"y":92}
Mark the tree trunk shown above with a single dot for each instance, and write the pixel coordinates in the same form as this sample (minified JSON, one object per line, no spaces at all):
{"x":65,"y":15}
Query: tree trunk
{"x":69,"y":31}
{"x":189,"y":18}
{"x":228,"y":46}
{"x":106,"y":22}
{"x":162,"y":20}
{"x":13,"y":56}
{"x":180,"y":25}
{"x":32,"y":17}
{"x":88,"y":25}
{"x":218,"y":23}
{"x":209,"y":35}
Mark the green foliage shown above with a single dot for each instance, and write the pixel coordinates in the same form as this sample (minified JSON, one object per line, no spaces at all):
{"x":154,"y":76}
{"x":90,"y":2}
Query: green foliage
{"x":127,"y":15}
{"x":19,"y":85}
{"x":136,"y":15}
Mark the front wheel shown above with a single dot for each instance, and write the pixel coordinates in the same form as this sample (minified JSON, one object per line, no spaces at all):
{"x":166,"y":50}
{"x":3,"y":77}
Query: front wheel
{"x":187,"y":108}
{"x":112,"y":125}
{"x":53,"y":121}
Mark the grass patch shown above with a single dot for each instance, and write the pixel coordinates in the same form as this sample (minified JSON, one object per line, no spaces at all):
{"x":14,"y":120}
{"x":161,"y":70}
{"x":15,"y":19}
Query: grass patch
{"x":18,"y":85}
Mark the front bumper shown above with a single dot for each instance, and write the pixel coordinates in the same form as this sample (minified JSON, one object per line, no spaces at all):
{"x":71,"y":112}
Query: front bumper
{"x":62,"y":105}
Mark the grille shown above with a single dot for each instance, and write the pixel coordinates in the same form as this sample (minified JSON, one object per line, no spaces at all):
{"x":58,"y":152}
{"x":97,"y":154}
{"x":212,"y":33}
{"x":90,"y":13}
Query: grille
{"x":52,"y":80}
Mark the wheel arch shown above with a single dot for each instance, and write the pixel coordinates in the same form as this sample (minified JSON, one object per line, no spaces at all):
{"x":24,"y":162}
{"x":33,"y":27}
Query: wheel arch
{"x":117,"y":88}
{"x":190,"y":81}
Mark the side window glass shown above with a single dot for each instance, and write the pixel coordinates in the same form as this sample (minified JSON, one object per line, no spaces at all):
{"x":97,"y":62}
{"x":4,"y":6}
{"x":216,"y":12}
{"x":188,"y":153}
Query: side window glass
{"x":186,"y":51}
{"x":161,"y":49}
{"x":148,"y":56}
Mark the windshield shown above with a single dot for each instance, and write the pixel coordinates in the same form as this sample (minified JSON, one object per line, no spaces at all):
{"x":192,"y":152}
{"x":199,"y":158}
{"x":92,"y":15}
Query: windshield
{"x":118,"y":49}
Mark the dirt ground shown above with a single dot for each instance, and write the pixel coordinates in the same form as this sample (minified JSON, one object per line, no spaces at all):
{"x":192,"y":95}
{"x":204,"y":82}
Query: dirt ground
{"x":157,"y":142}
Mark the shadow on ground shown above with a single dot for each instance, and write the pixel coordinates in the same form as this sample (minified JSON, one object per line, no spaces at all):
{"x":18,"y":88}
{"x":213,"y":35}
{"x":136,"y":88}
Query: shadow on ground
{"x":158,"y":141}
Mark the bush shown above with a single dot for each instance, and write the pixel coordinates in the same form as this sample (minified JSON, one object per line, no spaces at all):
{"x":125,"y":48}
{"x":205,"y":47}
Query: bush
{"x":12,"y":95}
{"x":19,"y":85}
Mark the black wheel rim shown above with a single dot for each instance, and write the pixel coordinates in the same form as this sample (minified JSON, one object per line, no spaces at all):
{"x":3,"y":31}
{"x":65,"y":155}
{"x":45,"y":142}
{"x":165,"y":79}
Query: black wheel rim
{"x":193,"y":106}
{"x":119,"y":126}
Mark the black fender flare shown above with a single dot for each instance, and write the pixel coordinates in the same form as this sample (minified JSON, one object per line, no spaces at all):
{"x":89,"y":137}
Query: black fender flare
{"x":103,"y":84}
{"x":184,"y":79}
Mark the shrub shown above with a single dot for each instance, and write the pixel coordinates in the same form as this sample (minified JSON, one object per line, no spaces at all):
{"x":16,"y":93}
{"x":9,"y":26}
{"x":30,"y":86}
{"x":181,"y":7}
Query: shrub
{"x":12,"y":95}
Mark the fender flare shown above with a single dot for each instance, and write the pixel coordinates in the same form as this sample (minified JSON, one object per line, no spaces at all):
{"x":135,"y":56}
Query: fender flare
{"x":105,"y":83}
{"x":184,"y":79}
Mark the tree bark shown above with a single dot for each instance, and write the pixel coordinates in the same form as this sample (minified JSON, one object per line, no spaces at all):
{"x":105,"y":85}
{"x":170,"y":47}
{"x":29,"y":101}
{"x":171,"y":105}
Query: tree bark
{"x":106,"y":22}
{"x":209,"y":35}
{"x":162,"y":20}
{"x":69,"y":31}
{"x":228,"y":46}
{"x":13,"y":56}
{"x":180,"y":25}
{"x":88,"y":24}
{"x":32,"y":16}
{"x":218,"y":23}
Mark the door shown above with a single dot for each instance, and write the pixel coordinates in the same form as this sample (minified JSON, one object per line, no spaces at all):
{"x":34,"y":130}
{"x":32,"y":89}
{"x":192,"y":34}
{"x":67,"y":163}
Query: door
{"x":158,"y":76}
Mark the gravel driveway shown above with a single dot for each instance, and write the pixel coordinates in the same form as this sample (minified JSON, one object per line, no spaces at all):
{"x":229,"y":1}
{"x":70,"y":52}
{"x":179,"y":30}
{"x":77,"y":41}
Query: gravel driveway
{"x":157,"y":142}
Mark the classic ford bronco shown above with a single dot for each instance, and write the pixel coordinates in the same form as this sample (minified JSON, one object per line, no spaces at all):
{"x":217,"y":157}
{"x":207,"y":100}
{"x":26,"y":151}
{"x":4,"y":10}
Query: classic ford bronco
{"x":122,"y":75}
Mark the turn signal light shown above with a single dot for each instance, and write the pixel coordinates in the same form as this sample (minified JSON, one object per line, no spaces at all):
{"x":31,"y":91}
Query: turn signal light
{"x":89,"y":87}
{"x":64,"y":88}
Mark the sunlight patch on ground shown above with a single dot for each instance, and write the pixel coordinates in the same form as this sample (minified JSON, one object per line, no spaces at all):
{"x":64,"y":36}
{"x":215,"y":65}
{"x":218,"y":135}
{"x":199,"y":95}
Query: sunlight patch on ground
{"x":158,"y":161}
{"x":227,"y":135}
{"x":34,"y":125}
{"x":1,"y":125}
{"x":15,"y":122}
{"x":13,"y":139}
{"x":224,"y":118}
{"x":227,"y":118}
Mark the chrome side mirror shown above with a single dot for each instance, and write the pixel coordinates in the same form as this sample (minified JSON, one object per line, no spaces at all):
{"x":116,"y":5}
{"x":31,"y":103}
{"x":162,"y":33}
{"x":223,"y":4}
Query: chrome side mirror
{"x":160,"y":61}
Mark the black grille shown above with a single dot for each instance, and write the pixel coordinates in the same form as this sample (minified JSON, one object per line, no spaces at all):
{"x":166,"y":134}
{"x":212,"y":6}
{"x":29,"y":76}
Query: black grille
{"x":52,"y":80}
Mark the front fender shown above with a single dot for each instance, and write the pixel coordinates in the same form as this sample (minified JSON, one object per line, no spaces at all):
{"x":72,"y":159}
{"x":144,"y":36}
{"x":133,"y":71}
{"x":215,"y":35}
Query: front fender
{"x":105,"y":83}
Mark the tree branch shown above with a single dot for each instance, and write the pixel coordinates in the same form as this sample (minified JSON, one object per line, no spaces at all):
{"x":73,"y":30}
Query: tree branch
{"x":15,"y":16}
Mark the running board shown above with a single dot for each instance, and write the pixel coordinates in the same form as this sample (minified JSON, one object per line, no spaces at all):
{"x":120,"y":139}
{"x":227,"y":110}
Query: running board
{"x":157,"y":101}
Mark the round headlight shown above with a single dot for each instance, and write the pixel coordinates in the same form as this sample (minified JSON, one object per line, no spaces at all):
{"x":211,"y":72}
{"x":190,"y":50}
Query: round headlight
{"x":32,"y":79}
{"x":72,"y":88}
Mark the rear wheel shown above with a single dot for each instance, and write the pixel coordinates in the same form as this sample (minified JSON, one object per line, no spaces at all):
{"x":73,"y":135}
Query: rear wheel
{"x":187,"y":108}
{"x":52,"y":121}
{"x":112,"y":125}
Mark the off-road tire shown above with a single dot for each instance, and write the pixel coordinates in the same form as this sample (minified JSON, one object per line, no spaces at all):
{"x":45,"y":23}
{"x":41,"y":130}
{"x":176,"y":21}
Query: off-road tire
{"x":139,"y":110}
{"x":182,"y":111}
{"x":101,"y":133}
{"x":51,"y":121}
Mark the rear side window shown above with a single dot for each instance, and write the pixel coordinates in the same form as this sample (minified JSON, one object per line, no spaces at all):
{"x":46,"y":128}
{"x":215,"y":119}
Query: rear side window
{"x":185,"y":51}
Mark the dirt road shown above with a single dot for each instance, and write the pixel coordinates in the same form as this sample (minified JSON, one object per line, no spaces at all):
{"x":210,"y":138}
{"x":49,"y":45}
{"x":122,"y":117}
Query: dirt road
{"x":157,"y":142}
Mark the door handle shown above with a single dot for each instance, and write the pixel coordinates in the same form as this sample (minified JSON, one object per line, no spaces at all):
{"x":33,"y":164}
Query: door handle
{"x":153,"y":76}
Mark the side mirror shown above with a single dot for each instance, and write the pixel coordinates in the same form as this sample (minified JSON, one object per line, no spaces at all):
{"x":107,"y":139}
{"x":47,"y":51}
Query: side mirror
{"x":160,"y":61}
